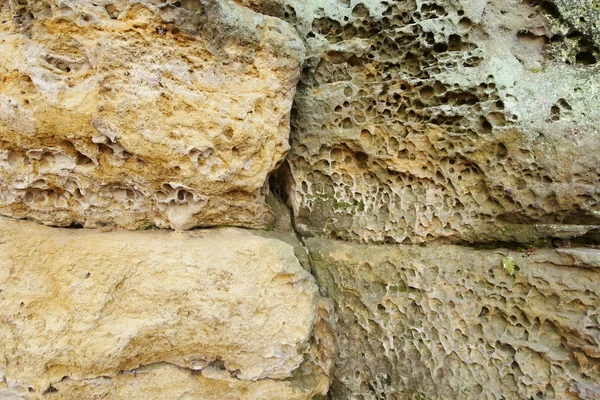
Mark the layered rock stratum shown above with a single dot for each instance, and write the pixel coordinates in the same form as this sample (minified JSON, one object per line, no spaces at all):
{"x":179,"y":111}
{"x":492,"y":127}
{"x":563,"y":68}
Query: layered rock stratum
{"x":435,"y":164}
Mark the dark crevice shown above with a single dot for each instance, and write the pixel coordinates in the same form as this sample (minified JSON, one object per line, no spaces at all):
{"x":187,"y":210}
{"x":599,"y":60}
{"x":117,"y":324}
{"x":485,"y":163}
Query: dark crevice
{"x":279,"y":186}
{"x":51,"y":389}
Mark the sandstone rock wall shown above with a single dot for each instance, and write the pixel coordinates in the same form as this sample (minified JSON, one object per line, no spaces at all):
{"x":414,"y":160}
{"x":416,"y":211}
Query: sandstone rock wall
{"x":141,"y":114}
{"x":443,"y":184}
{"x":451,"y":122}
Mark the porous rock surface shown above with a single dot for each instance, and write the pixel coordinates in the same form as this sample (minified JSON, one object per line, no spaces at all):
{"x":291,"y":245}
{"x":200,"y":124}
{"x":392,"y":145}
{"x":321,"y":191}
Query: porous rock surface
{"x":459,"y":120}
{"x":448,"y":322}
{"x":416,"y":123}
{"x":142,"y":112}
{"x":222,"y":308}
{"x":451,"y":121}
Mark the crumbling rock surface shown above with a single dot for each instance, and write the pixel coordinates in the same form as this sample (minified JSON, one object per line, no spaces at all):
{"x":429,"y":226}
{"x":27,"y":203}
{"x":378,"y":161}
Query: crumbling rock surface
{"x":448,"y":322}
{"x":415,"y":121}
{"x":170,"y":382}
{"x":446,"y":120}
{"x":79,"y":307}
{"x":140,"y":113}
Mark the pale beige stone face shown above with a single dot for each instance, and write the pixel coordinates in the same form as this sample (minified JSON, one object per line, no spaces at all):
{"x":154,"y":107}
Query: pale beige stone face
{"x":138,"y":113}
{"x":86,"y":304}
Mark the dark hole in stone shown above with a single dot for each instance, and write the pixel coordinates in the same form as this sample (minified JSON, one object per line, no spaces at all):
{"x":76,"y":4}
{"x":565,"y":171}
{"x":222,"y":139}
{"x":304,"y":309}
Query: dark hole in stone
{"x":440,"y":47}
{"x":361,"y":159}
{"x":355,"y":61}
{"x":585,"y":58}
{"x":82,"y":159}
{"x":531,"y":37}
{"x":501,"y":150}
{"x":486,"y":127}
{"x":465,"y":23}
{"x":551,"y":9}
{"x":454,"y":43}
{"x":51,"y":389}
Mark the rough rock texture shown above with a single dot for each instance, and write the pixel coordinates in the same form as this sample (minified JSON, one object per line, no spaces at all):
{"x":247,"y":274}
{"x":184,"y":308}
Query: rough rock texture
{"x":138,"y":113}
{"x":80,"y":307}
{"x":169,"y":382}
{"x":418,"y":126}
{"x":449,"y":322}
{"x":451,"y":119}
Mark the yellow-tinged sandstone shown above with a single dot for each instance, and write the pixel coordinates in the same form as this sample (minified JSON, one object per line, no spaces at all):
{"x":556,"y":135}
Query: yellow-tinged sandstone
{"x":81,"y":305}
{"x":164,"y":381}
{"x":138,"y":113}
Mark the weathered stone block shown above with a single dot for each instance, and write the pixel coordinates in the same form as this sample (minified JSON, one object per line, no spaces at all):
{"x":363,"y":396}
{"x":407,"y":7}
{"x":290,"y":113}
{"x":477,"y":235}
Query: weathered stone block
{"x":460,"y":120}
{"x":138,"y":113}
{"x":164,"y":381}
{"x":448,"y":322}
{"x":79,"y":307}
